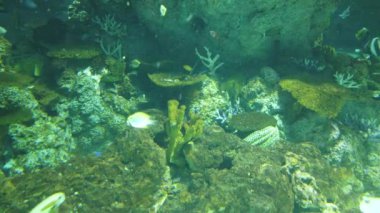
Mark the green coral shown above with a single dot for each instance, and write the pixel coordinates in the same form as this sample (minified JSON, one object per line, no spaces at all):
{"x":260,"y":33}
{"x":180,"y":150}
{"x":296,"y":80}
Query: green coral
{"x":326,"y":99}
{"x":44,"y":144}
{"x":180,"y":132}
{"x":16,"y":105}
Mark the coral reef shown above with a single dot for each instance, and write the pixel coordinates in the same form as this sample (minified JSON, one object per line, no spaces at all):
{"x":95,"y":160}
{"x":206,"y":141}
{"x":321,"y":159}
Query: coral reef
{"x":91,"y":120}
{"x":209,"y":100}
{"x":275,"y":118}
{"x":20,"y":102}
{"x":44,"y":144}
{"x":47,"y":142}
{"x":306,"y":190}
{"x":259,"y":95}
{"x":316,"y":185}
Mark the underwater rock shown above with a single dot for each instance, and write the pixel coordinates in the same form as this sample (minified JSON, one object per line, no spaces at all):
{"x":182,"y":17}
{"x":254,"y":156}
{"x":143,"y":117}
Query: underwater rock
{"x":372,"y":175}
{"x":33,"y":65}
{"x":15,"y":79}
{"x":133,"y":169}
{"x":269,"y":75}
{"x":175,"y":79}
{"x":251,"y":121}
{"x":238,"y":30}
{"x":45,"y":95}
{"x":228,"y":174}
{"x":91,"y":119}
{"x":260,"y":95}
{"x":307,"y":192}
{"x":17,"y":105}
{"x":43,"y":144}
{"x":53,"y":32}
{"x":209,"y":101}
{"x":316,"y":184}
{"x":309,"y":127}
{"x":326,"y":99}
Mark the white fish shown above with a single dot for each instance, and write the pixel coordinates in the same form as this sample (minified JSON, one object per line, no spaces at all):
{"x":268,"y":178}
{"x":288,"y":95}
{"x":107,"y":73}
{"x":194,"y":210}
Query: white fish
{"x":346,"y":13}
{"x":163,"y":10}
{"x":140,"y":120}
{"x":2,"y":30}
{"x":370,"y":204}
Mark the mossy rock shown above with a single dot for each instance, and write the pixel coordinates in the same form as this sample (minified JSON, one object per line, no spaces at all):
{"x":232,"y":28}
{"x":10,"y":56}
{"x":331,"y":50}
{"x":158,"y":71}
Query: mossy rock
{"x":32,"y":65}
{"x":326,"y":99}
{"x":74,"y":52}
{"x":44,"y":95}
{"x":15,"y":79}
{"x":251,"y":121}
{"x":175,"y":79}
{"x":14,"y":116}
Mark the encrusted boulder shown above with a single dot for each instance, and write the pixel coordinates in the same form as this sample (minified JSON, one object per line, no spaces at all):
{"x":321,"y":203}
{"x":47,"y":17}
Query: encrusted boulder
{"x":237,"y":30}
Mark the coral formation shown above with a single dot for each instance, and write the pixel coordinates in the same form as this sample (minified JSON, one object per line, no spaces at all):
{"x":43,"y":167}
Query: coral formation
{"x":288,"y":124}
{"x":192,"y":129}
{"x":259,"y":95}
{"x":91,"y":120}
{"x":325,"y":99}
{"x":47,"y":142}
{"x":209,"y":100}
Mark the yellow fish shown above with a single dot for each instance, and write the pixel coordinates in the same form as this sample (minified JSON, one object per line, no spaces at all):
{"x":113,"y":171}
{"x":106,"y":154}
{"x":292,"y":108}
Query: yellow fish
{"x":187,"y":67}
{"x":140,"y":120}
